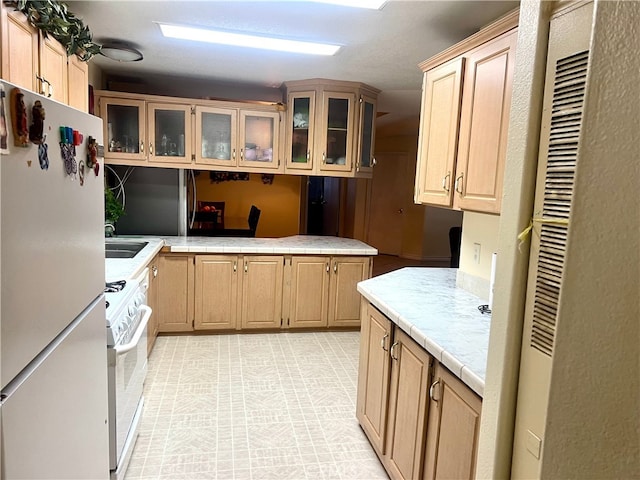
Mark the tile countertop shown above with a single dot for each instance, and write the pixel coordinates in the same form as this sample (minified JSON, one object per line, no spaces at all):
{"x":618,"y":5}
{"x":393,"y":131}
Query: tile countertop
{"x":443,"y":318}
{"x":297,"y":244}
{"x":123,"y":268}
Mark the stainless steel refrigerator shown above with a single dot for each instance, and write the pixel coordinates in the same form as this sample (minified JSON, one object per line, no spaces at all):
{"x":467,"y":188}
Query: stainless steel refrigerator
{"x":53,"y":408}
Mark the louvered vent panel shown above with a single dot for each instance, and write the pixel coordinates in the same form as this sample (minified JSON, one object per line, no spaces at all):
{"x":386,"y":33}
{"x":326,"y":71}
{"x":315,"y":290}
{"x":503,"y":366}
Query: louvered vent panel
{"x":566,"y":121}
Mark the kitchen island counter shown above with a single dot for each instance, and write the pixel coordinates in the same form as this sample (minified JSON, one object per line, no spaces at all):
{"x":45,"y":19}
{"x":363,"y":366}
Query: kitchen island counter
{"x":123,"y":268}
{"x":441,"y":317}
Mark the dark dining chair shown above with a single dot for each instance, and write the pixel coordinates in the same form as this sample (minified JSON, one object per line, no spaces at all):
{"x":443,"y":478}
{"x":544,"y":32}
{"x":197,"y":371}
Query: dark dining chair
{"x":252,"y":221}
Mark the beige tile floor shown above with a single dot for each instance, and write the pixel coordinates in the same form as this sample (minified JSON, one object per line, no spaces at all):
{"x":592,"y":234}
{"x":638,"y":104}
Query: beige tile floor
{"x":253,"y":406}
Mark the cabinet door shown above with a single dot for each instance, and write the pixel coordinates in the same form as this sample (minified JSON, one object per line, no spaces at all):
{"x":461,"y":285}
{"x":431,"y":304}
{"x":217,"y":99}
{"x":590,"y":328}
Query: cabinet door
{"x":408,"y":403}
{"x":453,"y":428}
{"x":175,"y":293}
{"x":437,"y":144}
{"x":53,"y":69}
{"x":78,"y":83}
{"x":216,"y":136}
{"x":152,"y":301}
{"x":366,"y":135}
{"x":309,"y":291}
{"x":19,"y":49}
{"x":259,"y":139}
{"x":373,"y":375}
{"x":344,"y":299}
{"x":216,"y":297}
{"x":335,"y":138}
{"x":300,"y":130}
{"x":484,"y":123}
{"x":262,"y":291}
{"x":169,"y":133}
{"x":124,"y":129}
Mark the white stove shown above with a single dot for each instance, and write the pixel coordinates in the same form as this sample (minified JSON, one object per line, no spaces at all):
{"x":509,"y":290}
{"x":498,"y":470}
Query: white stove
{"x":123,"y":312}
{"x":127,"y":317}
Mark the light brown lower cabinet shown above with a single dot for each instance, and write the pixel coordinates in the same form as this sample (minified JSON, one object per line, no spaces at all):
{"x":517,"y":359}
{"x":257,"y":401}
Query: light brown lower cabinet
{"x":152,"y":301}
{"x":420,"y":427}
{"x":262,"y":291}
{"x":322,"y":291}
{"x":344,"y":300}
{"x":453,"y":428}
{"x":238,"y":292}
{"x":216,"y":295}
{"x":175,"y":292}
{"x":373,"y":375}
{"x":309,"y":291}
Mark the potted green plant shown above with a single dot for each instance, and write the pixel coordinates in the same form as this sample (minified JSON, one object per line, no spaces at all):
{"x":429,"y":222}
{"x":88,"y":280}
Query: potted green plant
{"x":113,"y":210}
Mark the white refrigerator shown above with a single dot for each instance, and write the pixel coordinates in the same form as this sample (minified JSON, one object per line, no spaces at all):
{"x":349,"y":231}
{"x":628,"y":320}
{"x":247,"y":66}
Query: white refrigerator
{"x":53,"y":357}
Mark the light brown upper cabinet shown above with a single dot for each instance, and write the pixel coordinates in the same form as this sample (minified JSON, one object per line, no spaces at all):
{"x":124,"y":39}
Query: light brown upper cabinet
{"x":181,"y":132}
{"x":169,"y":133}
{"x":464,"y":120}
{"x":329,"y":128}
{"x":39,"y":63}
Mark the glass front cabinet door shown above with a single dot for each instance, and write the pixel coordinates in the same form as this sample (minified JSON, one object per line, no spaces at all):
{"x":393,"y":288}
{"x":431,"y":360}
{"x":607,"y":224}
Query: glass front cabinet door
{"x":124,"y":129}
{"x":216,"y":136}
{"x":366,"y":135}
{"x":169,"y":133}
{"x":337,"y":131}
{"x":300,"y":131}
{"x":258,"y":145}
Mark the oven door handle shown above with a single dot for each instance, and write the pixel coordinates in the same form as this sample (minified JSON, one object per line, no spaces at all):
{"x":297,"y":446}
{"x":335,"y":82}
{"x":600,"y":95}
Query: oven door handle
{"x":122,"y":349}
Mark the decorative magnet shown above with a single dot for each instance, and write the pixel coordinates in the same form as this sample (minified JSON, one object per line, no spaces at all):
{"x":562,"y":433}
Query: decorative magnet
{"x":19,"y":118}
{"x":92,"y":155}
{"x":36,"y":130}
{"x":43,"y":154}
{"x":81,"y":172}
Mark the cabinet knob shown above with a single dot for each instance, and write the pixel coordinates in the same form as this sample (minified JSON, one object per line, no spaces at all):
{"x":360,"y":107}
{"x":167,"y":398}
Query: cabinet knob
{"x":327,"y":267}
{"x":383,"y":342}
{"x":324,"y":158}
{"x":141,"y":147}
{"x":432,"y":389}
{"x":308,"y":154}
{"x":150,"y":148}
{"x":241,"y":154}
{"x":335,"y":267}
{"x":233,"y":155}
{"x":235,"y":266}
{"x":154,"y":271}
{"x":246,"y":267}
{"x":374,"y":162}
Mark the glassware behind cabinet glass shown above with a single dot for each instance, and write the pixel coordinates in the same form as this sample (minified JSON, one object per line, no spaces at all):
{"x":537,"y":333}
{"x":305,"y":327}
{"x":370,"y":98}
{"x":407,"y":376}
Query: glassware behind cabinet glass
{"x":123,"y":128}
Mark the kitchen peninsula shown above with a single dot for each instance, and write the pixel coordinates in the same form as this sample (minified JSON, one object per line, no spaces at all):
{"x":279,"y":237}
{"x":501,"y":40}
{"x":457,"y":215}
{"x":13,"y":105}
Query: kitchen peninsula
{"x":213,"y":284}
{"x":423,"y":355}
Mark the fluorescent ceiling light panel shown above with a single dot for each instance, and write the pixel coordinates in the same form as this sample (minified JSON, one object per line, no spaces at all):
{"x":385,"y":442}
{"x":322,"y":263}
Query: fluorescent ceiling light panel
{"x":243,"y":40}
{"x":372,"y":4}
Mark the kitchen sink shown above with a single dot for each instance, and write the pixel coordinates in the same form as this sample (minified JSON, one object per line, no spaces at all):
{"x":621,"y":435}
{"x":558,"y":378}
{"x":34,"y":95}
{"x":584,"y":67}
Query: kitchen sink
{"x":122,"y":249}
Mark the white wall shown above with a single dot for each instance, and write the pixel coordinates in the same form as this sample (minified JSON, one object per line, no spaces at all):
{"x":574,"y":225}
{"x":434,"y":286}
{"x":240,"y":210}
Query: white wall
{"x":481,"y":229}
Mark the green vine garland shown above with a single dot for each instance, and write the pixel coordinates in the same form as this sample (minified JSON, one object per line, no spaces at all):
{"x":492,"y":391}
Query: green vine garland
{"x":54,"y":18}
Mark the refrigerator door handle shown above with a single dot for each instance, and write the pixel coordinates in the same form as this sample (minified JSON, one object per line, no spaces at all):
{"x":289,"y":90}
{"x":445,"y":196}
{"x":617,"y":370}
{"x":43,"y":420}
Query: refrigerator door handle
{"x":122,"y":349}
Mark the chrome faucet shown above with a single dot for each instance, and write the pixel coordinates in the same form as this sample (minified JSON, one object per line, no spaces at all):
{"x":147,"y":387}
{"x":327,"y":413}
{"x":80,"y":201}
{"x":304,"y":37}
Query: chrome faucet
{"x":109,"y":229}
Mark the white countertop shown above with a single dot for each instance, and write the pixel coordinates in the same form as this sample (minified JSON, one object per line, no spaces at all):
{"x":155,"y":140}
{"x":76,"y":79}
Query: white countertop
{"x":443,"y":318}
{"x":297,"y":244}
{"x":123,"y":268}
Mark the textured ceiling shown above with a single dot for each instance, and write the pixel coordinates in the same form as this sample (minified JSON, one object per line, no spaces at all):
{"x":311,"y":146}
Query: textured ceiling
{"x":380,"y":47}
